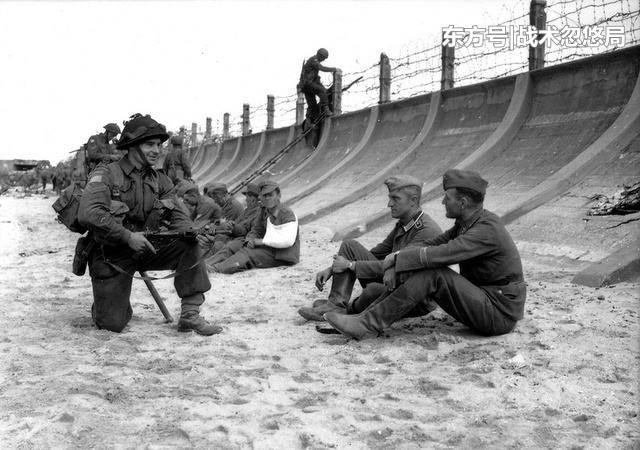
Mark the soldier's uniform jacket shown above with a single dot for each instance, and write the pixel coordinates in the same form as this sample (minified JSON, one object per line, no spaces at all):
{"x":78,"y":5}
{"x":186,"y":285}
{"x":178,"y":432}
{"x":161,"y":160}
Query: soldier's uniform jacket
{"x":242,"y":225}
{"x":310,"y":70}
{"x":487,"y":256}
{"x":145,"y":199}
{"x":98,"y":149}
{"x":414,"y":234}
{"x":206,"y":211}
{"x":282,"y":215}
{"x":176,"y":159}
{"x":232,"y":209}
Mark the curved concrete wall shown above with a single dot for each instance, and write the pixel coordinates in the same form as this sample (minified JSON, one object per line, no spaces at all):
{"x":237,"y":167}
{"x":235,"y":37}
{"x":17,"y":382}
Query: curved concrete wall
{"x":532,"y":136}
{"x":228,"y":151}
{"x":249,"y":150}
{"x":273,"y":141}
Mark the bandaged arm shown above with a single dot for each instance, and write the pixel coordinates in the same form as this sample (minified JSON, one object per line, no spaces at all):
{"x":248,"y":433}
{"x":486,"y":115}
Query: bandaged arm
{"x":281,"y":236}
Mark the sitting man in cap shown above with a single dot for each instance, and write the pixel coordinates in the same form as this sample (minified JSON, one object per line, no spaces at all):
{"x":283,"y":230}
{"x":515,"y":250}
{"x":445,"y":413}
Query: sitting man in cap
{"x":175,"y":164}
{"x":121,"y":201}
{"x":235,"y":231}
{"x":487,"y":296}
{"x":231,"y":208}
{"x":272,"y":241}
{"x":354,"y":262}
{"x":201,"y":209}
{"x":99,"y":148}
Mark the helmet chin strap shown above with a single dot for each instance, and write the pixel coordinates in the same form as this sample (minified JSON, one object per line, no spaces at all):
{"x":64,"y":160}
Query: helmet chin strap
{"x":143,"y":158}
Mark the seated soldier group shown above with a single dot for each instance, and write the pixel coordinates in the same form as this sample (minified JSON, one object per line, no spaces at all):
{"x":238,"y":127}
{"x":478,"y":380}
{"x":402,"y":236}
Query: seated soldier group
{"x":406,"y":275}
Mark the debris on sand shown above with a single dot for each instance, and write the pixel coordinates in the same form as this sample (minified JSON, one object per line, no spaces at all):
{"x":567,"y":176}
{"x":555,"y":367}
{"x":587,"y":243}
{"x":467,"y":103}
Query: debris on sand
{"x":627,"y":201}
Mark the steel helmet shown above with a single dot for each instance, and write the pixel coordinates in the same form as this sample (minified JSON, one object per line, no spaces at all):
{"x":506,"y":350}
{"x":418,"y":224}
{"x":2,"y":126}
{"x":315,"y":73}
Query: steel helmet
{"x":177,"y":140}
{"x":113,"y":128}
{"x":323,"y":52}
{"x":140,"y":128}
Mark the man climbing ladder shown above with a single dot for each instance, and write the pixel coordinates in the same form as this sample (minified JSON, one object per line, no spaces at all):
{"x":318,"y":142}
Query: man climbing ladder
{"x":311,"y":86}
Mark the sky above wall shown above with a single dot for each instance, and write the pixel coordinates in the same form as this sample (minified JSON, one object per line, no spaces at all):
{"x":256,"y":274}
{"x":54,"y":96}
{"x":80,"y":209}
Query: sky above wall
{"x":68,"y":68}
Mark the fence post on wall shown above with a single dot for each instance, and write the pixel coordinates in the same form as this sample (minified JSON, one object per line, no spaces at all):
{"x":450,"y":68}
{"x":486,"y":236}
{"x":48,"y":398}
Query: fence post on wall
{"x":270,"y":111}
{"x":194,"y":134}
{"x":300,"y":108}
{"x":225,"y":126}
{"x":207,"y":131}
{"x":538,"y":19}
{"x":246,"y":122}
{"x":447,"y":66}
{"x":337,"y":92}
{"x":385,"y":79}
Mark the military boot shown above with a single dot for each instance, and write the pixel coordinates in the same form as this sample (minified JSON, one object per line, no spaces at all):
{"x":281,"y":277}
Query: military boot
{"x":341,"y":288}
{"x":327,"y":112}
{"x":191,"y":320}
{"x":319,"y":308}
{"x":372,"y":322}
{"x":195,"y":322}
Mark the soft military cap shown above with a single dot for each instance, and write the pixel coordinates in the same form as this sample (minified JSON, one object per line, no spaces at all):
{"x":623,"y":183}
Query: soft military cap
{"x":251,"y":188}
{"x":212,"y":187}
{"x":455,"y":178}
{"x":185,"y":186}
{"x":267,"y":186}
{"x":399,"y":181}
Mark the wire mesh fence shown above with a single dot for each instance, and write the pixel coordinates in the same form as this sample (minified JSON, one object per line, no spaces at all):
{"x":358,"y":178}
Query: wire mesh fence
{"x":574,"y":29}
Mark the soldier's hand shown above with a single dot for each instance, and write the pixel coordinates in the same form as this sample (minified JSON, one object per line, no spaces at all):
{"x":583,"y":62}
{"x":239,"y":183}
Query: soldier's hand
{"x":139,"y":243}
{"x":340,"y":264}
{"x":322,"y":277}
{"x":249,"y":243}
{"x":204,"y":239}
{"x":389,"y":261}
{"x":389,"y":279}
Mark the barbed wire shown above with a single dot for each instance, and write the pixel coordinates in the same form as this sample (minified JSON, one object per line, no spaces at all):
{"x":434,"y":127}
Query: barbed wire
{"x":416,"y":67}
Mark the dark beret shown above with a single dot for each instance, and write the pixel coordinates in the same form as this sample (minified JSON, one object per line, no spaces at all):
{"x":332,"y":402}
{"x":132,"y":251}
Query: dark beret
{"x":456,"y":178}
{"x":251,"y":188}
{"x":211,"y":187}
{"x":399,"y":181}
{"x":267,"y":186}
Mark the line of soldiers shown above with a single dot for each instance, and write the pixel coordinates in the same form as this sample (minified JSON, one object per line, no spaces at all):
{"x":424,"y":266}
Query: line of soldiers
{"x":406,"y":275}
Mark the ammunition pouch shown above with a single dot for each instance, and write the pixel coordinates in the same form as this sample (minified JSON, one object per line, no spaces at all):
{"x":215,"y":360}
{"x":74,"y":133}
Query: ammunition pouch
{"x":84,"y":247}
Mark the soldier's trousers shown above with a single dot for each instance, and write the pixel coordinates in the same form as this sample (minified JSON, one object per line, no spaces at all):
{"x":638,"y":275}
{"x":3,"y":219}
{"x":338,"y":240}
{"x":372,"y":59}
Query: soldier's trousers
{"x":372,"y":288}
{"x":111,"y":308}
{"x":342,"y":283}
{"x":310,"y":90}
{"x":227,"y":250}
{"x":460,"y":298}
{"x":249,"y":258}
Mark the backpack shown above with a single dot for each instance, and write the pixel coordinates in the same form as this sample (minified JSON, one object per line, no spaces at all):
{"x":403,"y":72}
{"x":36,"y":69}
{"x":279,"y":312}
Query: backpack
{"x":68,"y":204}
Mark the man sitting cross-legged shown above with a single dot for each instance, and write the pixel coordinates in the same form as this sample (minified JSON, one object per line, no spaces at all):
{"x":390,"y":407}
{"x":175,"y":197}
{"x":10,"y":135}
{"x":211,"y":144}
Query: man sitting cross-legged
{"x":354,"y":261}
